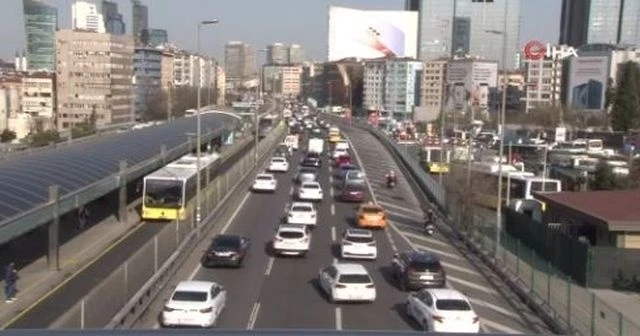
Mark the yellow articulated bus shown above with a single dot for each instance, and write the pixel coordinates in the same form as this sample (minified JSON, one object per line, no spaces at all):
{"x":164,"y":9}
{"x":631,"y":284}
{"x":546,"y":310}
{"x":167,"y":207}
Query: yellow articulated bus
{"x":169,"y":191}
{"x":430,"y":157}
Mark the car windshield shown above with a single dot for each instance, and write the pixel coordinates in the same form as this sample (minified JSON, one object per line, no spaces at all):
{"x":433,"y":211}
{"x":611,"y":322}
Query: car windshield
{"x":301,"y":208}
{"x":192,"y":296}
{"x":452,"y":304}
{"x":355,"y":279}
{"x":359,"y":239}
{"x":226,"y":243}
{"x":263,"y":178}
{"x":291,"y":234}
{"x":371,"y":210}
{"x":162,"y":193}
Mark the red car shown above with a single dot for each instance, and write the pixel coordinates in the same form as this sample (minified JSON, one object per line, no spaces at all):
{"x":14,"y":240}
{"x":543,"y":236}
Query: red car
{"x":352,"y":193}
{"x":343,"y":160}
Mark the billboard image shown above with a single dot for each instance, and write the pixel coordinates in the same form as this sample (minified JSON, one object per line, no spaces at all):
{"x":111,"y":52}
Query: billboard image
{"x":372,"y":34}
{"x":588,"y":78}
{"x":470,"y":82}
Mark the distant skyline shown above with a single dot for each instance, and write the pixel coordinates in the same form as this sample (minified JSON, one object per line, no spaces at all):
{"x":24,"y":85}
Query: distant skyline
{"x":303,"y":22}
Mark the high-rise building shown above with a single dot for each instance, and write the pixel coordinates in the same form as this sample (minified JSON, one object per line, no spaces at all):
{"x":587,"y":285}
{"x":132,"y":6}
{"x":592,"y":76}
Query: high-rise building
{"x":155,"y":37}
{"x":41,"y":23}
{"x":94,"y":78}
{"x":543,"y":80}
{"x":474,"y":27}
{"x":600,"y":21}
{"x":85,"y":16}
{"x":113,"y":20}
{"x":277,"y":53}
{"x":147,"y":65}
{"x":239,"y":64}
{"x":282,"y":79}
{"x":296,"y":54}
{"x":140,"y":20}
{"x":392,"y":85}
{"x":432,"y":90}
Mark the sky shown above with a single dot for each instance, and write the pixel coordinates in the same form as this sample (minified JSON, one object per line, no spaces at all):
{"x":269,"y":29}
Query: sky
{"x":257,"y":22}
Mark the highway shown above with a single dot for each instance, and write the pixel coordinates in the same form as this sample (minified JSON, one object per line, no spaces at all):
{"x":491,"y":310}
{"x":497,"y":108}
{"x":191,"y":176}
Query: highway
{"x":279,"y":292}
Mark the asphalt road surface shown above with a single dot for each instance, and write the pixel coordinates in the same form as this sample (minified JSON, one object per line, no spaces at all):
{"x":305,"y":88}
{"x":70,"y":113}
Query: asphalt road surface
{"x":273,"y":292}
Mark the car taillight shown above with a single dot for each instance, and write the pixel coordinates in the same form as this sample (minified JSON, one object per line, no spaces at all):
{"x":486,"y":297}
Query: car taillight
{"x":370,"y":286}
{"x":206,"y":310}
{"x":168,"y":309}
{"x":438,"y":318}
{"x":361,"y":217}
{"x":475,"y":319}
{"x":340,"y":286}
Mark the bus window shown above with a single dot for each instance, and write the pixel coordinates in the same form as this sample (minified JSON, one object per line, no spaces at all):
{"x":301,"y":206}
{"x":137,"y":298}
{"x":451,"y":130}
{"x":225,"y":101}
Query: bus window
{"x":517,"y":189}
{"x":549,"y":186}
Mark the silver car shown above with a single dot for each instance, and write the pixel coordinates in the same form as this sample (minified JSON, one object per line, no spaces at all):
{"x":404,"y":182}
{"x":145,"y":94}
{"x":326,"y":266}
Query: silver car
{"x":354,"y":177}
{"x":306,"y":174}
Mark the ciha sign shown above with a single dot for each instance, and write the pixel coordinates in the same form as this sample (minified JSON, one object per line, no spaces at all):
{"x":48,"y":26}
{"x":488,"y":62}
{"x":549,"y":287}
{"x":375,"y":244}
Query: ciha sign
{"x":536,"y":50}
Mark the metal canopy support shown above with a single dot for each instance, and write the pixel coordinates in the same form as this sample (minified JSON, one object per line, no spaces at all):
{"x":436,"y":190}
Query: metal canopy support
{"x":122,"y":192}
{"x":53,"y":254}
{"x":163,"y":153}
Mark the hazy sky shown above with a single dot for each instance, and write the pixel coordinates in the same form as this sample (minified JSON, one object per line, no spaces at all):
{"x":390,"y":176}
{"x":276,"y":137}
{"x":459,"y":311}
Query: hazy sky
{"x":257,"y":22}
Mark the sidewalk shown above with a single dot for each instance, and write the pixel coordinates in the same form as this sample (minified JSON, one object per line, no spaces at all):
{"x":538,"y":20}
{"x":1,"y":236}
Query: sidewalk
{"x":36,"y":280}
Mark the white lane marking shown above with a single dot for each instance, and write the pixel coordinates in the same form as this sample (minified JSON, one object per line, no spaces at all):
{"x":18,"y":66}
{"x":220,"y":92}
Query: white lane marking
{"x":470,"y":284}
{"x":333,"y":209}
{"x":404,"y":216}
{"x":460,"y":268}
{"x":291,"y":191}
{"x":224,"y":229}
{"x":253,"y":316}
{"x":491,"y":306}
{"x":499,"y":327}
{"x":426,"y":239}
{"x":335,"y":260}
{"x":391,"y":241}
{"x":338,"y":318}
{"x":287,"y":205}
{"x":333,"y":233}
{"x":438,"y":252}
{"x":331,"y":192}
{"x":331,"y":179}
{"x":269,"y":266}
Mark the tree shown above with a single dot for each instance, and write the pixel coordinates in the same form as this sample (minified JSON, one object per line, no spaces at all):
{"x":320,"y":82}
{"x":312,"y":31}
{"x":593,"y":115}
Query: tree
{"x":157,"y":105}
{"x":43,"y":138}
{"x":7,"y":135}
{"x":625,"y":114}
{"x":605,"y":179}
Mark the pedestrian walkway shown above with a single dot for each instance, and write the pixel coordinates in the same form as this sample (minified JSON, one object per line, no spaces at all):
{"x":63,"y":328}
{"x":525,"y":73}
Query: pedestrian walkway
{"x":36,"y":280}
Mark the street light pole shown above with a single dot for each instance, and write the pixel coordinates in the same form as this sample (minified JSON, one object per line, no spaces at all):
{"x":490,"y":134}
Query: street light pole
{"x":199,"y":125}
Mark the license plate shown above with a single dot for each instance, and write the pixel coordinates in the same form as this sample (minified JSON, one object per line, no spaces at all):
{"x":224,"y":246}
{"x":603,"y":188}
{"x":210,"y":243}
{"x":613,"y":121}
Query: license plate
{"x":426,"y":277}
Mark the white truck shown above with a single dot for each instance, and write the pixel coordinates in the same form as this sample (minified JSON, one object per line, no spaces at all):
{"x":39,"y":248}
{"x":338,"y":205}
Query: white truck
{"x":316,"y":145}
{"x":292,"y":141}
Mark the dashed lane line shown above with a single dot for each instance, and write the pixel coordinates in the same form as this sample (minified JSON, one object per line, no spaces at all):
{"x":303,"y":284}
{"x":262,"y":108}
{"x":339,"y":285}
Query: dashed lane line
{"x":253,"y":316}
{"x":493,"y":307}
{"x":469,"y":284}
{"x":333,"y":233}
{"x":267,"y":272}
{"x":338,"y":318}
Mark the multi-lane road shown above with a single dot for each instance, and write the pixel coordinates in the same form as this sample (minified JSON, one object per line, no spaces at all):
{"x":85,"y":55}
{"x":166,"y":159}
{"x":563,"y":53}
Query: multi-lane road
{"x":272,"y":292}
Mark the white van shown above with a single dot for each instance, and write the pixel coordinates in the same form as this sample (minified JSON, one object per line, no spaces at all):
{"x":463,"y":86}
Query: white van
{"x":342,"y":145}
{"x":292,"y":141}
{"x":316,"y":145}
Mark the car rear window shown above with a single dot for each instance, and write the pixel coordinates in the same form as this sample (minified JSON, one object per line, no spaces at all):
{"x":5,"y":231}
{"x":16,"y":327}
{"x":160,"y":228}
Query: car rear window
{"x":290,"y":234}
{"x":189,"y":296}
{"x":422,"y":266}
{"x":355,"y":175}
{"x":452,"y":304}
{"x":355,"y":279}
{"x":311,"y":186}
{"x":354,"y":187}
{"x":303,"y":208}
{"x":360,"y":239}
{"x":277,"y":159}
{"x":264,"y":178}
{"x":371,"y":210}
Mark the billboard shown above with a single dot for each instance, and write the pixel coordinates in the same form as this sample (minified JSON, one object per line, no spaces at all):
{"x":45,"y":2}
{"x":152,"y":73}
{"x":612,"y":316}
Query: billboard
{"x":372,"y":34}
{"x":470,"y":82}
{"x":588,"y":76}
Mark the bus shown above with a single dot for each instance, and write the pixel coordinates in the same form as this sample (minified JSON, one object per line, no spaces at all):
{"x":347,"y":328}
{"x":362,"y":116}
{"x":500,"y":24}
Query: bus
{"x":516,"y":184}
{"x":167,"y":193}
{"x":431,"y":156}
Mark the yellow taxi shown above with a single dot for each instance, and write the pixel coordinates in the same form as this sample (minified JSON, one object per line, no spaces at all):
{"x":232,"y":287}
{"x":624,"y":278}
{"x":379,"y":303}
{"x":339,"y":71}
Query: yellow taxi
{"x":334,"y":138}
{"x":371,"y":216}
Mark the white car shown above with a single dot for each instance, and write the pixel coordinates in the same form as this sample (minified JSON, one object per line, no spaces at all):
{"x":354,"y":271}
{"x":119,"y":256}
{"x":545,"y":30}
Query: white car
{"x":310,"y":191}
{"x":338,"y":153}
{"x":342,"y":144}
{"x":194,"y":303}
{"x":347,"y":282}
{"x":292,"y":239}
{"x":358,"y":244}
{"x":265,"y":182}
{"x":278,"y":164}
{"x":443,"y":310}
{"x":302,"y":213}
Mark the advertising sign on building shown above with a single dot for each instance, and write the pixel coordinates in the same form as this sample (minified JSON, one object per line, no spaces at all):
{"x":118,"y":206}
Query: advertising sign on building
{"x":470,"y":81}
{"x":372,"y":34}
{"x":588,"y":78}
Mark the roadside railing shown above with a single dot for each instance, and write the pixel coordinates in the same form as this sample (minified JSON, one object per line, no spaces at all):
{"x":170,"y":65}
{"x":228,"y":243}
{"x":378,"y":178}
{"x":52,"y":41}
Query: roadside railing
{"x":125,"y":294}
{"x":567,"y":307}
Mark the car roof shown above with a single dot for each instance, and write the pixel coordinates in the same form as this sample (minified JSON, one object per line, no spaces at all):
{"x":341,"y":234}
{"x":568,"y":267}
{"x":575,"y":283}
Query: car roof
{"x":292,"y":227}
{"x":309,"y":204}
{"x":446,"y":294}
{"x":350,"y":268}
{"x":194,"y":286}
{"x":359,"y":233}
{"x":422,"y":256}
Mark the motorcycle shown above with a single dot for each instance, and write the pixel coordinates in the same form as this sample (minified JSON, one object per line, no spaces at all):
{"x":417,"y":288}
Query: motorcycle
{"x":429,"y":229}
{"x":391,"y":183}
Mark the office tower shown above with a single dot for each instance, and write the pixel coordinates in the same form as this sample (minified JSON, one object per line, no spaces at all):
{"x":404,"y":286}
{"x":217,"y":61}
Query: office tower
{"x":85,"y":16}
{"x":140,"y":20}
{"x":600,"y":21}
{"x":94,"y":78}
{"x":296,"y":54}
{"x":239,"y":61}
{"x":41,"y":23}
{"x":155,"y":36}
{"x":113,"y":20}
{"x":392,"y":85}
{"x":277,"y":53}
{"x":472,"y":27}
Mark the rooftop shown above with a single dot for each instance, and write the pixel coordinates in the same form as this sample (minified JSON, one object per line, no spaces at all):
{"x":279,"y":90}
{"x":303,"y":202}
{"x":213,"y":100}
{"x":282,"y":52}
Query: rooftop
{"x":618,"y":209}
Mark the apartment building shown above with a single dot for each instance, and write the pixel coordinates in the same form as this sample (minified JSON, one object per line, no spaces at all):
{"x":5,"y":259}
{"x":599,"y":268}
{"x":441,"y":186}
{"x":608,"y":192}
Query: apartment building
{"x":147,"y":62}
{"x":432,"y":90}
{"x":282,"y":79}
{"x":94,"y":78}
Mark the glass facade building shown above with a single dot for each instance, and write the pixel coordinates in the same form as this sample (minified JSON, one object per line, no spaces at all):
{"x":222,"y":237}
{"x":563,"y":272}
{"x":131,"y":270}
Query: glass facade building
{"x":140,"y":20}
{"x":600,"y":21}
{"x":113,"y":20}
{"x":41,"y":23}
{"x":155,"y":36}
{"x":472,"y":27}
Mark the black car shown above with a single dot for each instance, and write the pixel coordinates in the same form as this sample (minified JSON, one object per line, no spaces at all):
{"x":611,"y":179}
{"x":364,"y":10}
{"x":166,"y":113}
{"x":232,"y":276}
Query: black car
{"x":311,"y":160}
{"x":226,"y":250}
{"x":418,"y":269}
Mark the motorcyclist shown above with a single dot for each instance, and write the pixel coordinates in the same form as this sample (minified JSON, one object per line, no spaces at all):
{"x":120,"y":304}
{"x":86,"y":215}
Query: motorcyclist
{"x":391,"y":177}
{"x":429,"y":221}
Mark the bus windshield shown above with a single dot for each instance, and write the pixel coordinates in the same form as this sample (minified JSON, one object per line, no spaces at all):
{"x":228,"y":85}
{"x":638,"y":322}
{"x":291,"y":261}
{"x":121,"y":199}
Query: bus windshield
{"x":546,"y":186}
{"x":162,"y":193}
